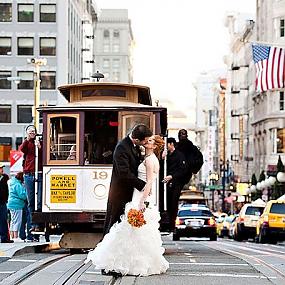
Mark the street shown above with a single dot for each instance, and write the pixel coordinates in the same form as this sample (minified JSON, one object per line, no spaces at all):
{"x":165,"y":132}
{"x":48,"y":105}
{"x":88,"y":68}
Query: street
{"x":192,"y":261}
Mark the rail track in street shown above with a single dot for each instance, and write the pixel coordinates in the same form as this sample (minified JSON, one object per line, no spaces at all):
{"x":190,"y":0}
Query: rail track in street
{"x":264,"y":257}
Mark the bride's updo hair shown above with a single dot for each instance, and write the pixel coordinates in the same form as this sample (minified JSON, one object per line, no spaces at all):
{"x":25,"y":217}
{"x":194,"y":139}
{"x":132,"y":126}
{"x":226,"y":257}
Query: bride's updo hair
{"x":159,"y":142}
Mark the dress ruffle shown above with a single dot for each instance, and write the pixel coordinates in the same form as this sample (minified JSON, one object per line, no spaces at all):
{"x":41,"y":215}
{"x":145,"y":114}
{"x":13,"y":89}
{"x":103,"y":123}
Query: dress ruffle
{"x":130,"y":250}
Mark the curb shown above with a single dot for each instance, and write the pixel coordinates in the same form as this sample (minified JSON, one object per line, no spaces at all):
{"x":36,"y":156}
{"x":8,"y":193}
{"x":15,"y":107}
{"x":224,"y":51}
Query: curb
{"x":36,"y":248}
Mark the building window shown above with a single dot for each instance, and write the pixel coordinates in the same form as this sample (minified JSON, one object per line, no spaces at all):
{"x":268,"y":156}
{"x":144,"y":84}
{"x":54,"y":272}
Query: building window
{"x":47,"y":13}
{"x":116,"y":64}
{"x":116,"y":76}
{"x":106,"y":48}
{"x":5,"y":113}
{"x":24,"y":114}
{"x":5,"y":46}
{"x":47,"y":79}
{"x":4,"y":82}
{"x":25,"y":46}
{"x":47,"y":46}
{"x":116,"y":34}
{"x":6,"y":12}
{"x":27,"y":80}
{"x":116,"y":47}
{"x":282,"y":28}
{"x":281,"y":100}
{"x":106,"y":34}
{"x":25,"y":12}
{"x":280,"y":140}
{"x":106,"y":63}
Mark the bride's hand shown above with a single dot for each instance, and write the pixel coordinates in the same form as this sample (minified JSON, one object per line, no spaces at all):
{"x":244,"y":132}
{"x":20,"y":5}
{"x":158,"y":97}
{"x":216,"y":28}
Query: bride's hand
{"x":142,"y":205}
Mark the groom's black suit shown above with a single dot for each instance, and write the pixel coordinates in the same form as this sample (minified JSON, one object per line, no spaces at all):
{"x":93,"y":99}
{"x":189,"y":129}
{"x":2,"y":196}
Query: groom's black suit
{"x":123,"y":181}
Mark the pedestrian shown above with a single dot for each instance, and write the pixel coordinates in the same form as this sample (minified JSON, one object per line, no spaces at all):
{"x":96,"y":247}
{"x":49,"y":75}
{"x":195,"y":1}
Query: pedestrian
{"x":4,"y":192}
{"x":16,"y":202}
{"x":193,"y":156}
{"x":175,"y":177}
{"x":28,"y":147}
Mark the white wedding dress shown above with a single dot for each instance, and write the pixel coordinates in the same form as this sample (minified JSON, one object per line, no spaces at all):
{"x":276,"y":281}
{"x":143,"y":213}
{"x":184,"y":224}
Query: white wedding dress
{"x":129,"y":250}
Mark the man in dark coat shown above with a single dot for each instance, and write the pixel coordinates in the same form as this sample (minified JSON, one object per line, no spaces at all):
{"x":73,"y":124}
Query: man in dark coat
{"x":4,"y":235}
{"x":185,"y":146}
{"x":175,"y":178}
{"x":124,"y":176}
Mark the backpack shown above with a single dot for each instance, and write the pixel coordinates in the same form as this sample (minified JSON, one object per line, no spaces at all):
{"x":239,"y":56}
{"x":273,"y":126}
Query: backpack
{"x":195,"y":159}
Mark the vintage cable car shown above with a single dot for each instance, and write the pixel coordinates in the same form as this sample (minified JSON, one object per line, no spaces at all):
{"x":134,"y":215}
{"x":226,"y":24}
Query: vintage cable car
{"x":78,"y":143}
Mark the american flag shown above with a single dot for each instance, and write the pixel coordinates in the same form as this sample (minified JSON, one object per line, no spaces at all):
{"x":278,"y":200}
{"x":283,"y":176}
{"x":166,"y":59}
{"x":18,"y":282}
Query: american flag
{"x":270,"y":67}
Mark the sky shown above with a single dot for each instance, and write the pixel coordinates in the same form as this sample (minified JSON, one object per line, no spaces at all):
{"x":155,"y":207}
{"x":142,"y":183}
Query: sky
{"x":177,"y":40}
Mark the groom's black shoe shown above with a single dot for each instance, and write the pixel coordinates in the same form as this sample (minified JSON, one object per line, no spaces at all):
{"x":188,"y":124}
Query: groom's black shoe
{"x":111,"y":273}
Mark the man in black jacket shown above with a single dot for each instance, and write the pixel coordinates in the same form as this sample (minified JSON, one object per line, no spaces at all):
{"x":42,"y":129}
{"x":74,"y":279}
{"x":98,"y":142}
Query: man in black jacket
{"x":124,"y":176}
{"x":175,"y":178}
{"x":186,"y":147}
{"x":4,"y":235}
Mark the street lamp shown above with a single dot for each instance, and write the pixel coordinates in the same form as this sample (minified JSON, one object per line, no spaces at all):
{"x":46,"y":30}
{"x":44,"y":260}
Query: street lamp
{"x":97,"y":76}
{"x":36,"y":62}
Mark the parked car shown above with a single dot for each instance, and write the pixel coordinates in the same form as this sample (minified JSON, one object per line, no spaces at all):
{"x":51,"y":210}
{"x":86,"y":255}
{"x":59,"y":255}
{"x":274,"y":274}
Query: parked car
{"x":245,"y":224}
{"x":223,"y":225}
{"x":271,"y":225}
{"x":195,"y":220}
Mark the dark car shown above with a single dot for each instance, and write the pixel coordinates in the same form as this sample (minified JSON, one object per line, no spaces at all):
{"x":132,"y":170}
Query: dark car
{"x":195,"y":221}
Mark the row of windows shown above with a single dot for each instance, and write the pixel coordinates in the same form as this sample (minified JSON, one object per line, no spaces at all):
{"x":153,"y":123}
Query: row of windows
{"x":48,"y":80}
{"x":116,"y":34}
{"x":25,"y":12}
{"x":24,"y":113}
{"x":282,"y":27}
{"x":26,"y":46}
{"x":107,"y":48}
{"x":115,"y":63}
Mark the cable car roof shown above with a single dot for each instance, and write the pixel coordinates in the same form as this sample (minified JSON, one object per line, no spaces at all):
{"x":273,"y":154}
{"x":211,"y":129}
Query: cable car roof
{"x":142,"y":91}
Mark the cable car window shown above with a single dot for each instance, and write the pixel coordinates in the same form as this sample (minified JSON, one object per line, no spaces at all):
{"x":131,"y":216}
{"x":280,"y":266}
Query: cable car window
{"x":101,"y":136}
{"x":63,"y":142}
{"x":129,"y":120}
{"x":104,"y":92}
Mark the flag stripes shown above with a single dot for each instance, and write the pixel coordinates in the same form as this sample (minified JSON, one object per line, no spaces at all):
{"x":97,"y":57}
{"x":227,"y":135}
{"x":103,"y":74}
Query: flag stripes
{"x":270,"y":67}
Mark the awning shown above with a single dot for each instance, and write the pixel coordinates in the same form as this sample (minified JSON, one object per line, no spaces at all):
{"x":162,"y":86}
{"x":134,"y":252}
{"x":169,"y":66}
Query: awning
{"x":5,"y":141}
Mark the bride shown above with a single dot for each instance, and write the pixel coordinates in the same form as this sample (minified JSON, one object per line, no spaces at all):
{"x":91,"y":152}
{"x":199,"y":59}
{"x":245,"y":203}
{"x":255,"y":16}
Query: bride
{"x":136,"y":251}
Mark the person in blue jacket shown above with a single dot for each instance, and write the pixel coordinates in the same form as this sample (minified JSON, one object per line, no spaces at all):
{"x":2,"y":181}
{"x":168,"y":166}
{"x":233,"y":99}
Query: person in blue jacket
{"x":16,"y":202}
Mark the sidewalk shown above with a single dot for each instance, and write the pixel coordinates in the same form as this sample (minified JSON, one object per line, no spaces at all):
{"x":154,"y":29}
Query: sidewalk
{"x":10,"y":249}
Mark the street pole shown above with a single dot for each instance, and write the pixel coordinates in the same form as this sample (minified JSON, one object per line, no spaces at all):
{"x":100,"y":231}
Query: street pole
{"x":224,"y":186}
{"x":36,"y":96}
{"x":37,"y":62}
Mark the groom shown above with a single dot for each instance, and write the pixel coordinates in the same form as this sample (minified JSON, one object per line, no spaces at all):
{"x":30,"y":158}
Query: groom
{"x":125,"y":171}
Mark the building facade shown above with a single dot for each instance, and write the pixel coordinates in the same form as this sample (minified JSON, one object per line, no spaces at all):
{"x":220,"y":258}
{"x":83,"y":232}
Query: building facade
{"x":269,"y":109}
{"x":240,"y":91}
{"x":113,"y":46}
{"x":33,"y":29}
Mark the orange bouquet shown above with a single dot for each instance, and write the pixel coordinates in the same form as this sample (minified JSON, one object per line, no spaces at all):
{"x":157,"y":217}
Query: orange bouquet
{"x":136,"y":218}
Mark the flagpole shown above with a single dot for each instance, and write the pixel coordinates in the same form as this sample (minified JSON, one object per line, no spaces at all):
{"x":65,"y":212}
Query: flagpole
{"x":264,"y":43}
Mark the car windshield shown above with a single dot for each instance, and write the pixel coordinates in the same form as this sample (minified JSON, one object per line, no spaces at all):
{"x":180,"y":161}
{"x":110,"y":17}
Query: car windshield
{"x":277,"y":208}
{"x":195,"y":212}
{"x":255,"y":211}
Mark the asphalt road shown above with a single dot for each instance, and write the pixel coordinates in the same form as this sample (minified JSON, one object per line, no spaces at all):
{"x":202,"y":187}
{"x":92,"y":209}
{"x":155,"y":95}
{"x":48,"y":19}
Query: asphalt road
{"x":192,"y":261}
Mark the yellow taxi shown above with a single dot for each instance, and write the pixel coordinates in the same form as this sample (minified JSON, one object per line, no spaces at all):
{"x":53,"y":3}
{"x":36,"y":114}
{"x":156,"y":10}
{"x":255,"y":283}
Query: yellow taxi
{"x":223,"y":225}
{"x":271,"y":224}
